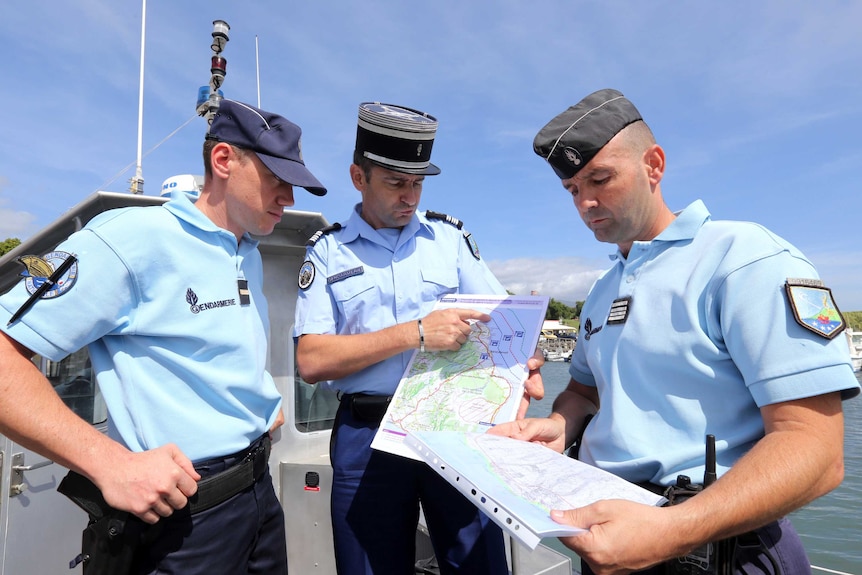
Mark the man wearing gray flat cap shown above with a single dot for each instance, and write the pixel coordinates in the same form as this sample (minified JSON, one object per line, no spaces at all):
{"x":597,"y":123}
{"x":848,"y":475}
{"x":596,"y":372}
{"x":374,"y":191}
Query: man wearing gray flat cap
{"x":367,"y":290}
{"x":707,"y":368}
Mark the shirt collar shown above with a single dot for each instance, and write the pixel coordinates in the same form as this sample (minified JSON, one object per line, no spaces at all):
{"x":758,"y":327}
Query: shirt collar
{"x":356,"y":227}
{"x":182,"y":206}
{"x":686,"y":224}
{"x":684,"y":227}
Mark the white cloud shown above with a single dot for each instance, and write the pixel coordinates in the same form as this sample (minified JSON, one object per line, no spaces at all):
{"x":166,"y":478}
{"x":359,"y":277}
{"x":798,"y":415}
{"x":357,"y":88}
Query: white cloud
{"x":14,"y":224}
{"x":565,"y":279}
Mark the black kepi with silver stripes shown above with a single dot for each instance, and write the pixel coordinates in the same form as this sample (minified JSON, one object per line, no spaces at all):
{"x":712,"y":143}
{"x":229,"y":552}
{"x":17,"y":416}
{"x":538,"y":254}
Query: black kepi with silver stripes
{"x":396,"y":138}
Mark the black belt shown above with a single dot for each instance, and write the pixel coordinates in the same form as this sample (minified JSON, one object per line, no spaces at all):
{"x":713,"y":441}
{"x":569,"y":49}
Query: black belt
{"x":249,"y":466}
{"x":366,"y":407}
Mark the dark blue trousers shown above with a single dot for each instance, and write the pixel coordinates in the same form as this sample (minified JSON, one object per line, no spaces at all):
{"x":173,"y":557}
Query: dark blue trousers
{"x":243,"y":535}
{"x":775,"y":550}
{"x":375,"y":512}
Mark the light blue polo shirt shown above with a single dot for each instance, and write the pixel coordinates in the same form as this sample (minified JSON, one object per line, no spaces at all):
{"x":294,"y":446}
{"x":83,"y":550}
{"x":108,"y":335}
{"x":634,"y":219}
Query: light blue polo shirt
{"x":177,"y":357}
{"x":708,"y":338}
{"x":366,"y":280}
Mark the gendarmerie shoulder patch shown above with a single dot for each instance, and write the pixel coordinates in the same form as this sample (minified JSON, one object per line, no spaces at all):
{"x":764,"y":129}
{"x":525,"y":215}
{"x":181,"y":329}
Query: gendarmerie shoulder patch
{"x":322,"y":232}
{"x":468,"y":237}
{"x":306,"y":274}
{"x":39,"y":270}
{"x":813,"y":307}
{"x":471,"y":244}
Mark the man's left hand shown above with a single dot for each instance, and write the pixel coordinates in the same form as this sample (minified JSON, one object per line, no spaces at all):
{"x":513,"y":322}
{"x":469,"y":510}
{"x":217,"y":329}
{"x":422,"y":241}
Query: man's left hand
{"x":622,"y":536}
{"x":534,"y":388}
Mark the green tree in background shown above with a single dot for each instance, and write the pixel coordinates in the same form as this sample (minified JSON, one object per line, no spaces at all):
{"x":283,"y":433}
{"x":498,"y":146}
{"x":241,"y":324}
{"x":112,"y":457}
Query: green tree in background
{"x":853,"y":319}
{"x":8,"y":245}
{"x":559,"y":310}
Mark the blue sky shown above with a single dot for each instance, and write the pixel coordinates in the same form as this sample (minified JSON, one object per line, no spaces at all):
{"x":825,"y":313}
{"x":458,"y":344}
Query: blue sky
{"x":757,"y":105}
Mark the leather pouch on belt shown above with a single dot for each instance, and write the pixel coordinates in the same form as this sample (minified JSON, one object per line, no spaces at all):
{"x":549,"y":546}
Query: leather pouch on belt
{"x":370,"y":407}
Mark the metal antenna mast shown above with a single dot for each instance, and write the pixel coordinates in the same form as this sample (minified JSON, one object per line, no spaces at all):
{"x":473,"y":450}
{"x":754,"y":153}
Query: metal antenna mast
{"x":137,"y":183}
{"x":209,"y":97}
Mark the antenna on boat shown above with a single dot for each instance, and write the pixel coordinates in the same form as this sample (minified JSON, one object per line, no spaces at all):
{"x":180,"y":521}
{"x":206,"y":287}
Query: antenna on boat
{"x":209,"y":97}
{"x":137,"y":183}
{"x":257,"y":68}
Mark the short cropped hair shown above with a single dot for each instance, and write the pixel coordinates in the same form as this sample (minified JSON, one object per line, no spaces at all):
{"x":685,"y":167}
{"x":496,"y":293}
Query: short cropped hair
{"x":209,"y":144}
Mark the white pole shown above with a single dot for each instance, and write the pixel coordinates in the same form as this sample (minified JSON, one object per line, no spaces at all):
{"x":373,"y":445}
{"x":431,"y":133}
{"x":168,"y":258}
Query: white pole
{"x":138,"y":182}
{"x":257,"y":67}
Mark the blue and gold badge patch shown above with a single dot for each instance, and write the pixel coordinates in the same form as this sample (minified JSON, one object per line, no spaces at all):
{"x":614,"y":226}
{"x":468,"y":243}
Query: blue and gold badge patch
{"x":40,"y":269}
{"x":306,"y":274}
{"x":471,"y":243}
{"x":813,"y":307}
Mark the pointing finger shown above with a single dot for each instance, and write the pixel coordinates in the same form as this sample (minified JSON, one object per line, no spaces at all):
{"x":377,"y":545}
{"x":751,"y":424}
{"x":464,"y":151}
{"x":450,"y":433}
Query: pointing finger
{"x":477,"y":315}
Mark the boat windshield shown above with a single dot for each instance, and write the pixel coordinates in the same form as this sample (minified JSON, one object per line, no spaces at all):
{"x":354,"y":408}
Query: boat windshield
{"x":315,"y":405}
{"x":72,"y":378}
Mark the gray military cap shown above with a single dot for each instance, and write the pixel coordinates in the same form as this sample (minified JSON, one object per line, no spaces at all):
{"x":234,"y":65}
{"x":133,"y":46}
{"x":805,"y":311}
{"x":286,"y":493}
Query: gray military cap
{"x":571,"y":139}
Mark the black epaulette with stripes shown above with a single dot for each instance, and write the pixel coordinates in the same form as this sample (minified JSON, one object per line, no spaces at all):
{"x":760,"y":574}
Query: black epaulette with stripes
{"x":438,"y":216}
{"x":322,"y":232}
{"x":468,"y":237}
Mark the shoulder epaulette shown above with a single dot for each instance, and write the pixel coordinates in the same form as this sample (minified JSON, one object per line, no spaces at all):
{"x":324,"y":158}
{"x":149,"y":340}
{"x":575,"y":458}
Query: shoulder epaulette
{"x":438,"y":216}
{"x":322,"y":232}
{"x":468,"y":237}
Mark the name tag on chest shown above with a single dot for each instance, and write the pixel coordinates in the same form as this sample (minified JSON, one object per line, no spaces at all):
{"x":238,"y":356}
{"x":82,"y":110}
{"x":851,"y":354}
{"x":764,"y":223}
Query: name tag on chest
{"x":345,"y":274}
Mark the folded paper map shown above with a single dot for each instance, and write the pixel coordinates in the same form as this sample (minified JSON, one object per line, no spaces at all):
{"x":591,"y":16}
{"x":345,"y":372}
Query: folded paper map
{"x":517,"y":483}
{"x":475,"y":387}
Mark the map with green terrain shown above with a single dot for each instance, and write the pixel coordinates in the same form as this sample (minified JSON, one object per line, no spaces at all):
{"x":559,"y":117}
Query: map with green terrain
{"x":475,"y":387}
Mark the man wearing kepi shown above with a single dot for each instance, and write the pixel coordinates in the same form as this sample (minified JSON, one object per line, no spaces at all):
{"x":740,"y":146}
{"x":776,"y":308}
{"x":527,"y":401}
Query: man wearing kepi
{"x":367,"y":289}
{"x":701,"y":328}
{"x":170,"y":302}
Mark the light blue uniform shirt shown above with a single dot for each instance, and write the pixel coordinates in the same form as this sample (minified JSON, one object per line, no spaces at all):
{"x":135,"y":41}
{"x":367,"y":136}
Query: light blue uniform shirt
{"x":709,"y":339}
{"x":177,"y":358}
{"x":365,"y":281}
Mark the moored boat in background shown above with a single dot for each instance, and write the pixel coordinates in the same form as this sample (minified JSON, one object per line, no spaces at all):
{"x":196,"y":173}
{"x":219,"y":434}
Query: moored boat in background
{"x":854,"y":342}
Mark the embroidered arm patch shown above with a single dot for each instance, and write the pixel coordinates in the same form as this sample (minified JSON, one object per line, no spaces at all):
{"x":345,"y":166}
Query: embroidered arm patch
{"x":813,"y":307}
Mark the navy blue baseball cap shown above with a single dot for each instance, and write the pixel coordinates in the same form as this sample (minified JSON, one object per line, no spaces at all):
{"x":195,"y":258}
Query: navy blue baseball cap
{"x":275,"y":140}
{"x":570,"y":140}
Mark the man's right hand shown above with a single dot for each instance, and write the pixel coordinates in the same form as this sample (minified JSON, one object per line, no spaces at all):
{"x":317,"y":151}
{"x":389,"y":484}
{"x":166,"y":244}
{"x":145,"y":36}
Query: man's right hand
{"x":547,"y":431}
{"x":449,"y":329}
{"x":151,"y":484}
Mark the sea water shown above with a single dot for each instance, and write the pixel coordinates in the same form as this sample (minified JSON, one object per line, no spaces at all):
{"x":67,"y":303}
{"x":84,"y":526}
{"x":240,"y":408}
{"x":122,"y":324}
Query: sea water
{"x":830,"y":527}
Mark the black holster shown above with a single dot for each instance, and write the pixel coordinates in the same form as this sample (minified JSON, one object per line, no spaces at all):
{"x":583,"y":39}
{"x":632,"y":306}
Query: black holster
{"x":714,"y":558}
{"x":112,"y":537}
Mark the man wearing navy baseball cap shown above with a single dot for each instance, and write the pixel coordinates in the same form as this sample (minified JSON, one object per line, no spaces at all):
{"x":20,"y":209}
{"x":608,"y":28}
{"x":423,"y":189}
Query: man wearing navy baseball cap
{"x":707,"y":367}
{"x":367,"y":291}
{"x":275,"y":140}
{"x":169,"y":300}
